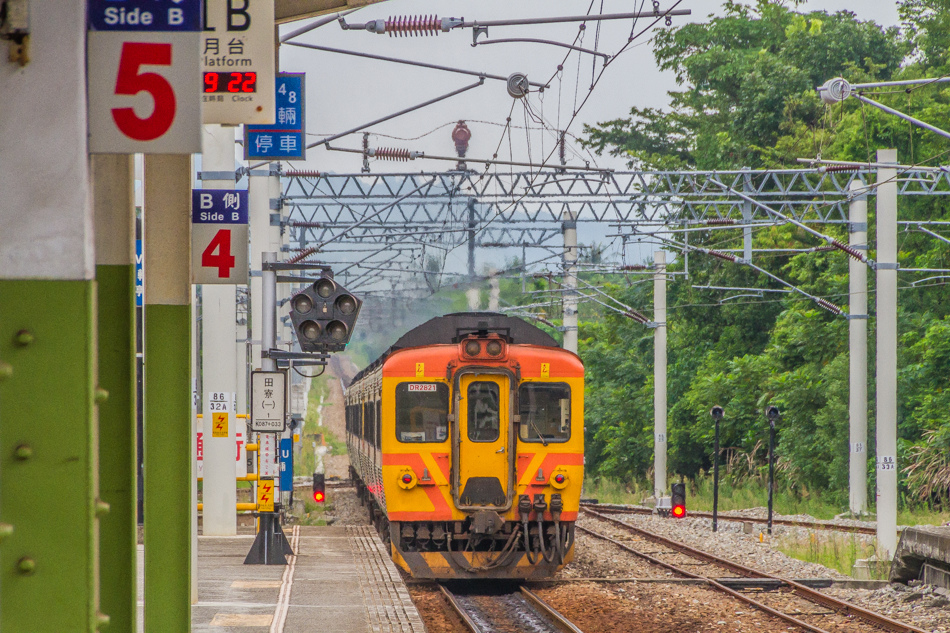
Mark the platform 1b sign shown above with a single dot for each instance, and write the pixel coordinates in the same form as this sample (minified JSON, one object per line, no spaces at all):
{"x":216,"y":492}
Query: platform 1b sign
{"x":219,"y":236}
{"x":268,"y":401}
{"x":237,"y":60}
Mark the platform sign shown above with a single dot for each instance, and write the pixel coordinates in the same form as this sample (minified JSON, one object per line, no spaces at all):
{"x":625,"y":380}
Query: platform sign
{"x":241,"y":447}
{"x":268,"y":400}
{"x":219,"y":236}
{"x":286,"y":463}
{"x":144,"y":78}
{"x":237,"y":58}
{"x":139,"y":275}
{"x":267,"y":448}
{"x":285,"y":138}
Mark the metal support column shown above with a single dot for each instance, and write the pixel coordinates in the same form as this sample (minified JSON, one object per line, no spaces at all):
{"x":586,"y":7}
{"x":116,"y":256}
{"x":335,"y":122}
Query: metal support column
{"x":659,"y":374}
{"x":218,"y":363}
{"x":569,"y":296}
{"x":168,"y":394}
{"x":471,"y":237}
{"x":858,"y":346}
{"x":49,"y":575}
{"x":886,"y":355}
{"x":114,"y":203}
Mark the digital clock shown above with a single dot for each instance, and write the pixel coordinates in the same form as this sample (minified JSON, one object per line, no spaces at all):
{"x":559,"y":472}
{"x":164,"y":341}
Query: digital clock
{"x":230,"y":82}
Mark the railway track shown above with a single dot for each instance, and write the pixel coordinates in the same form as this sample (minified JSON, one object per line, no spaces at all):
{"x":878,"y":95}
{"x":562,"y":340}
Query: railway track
{"x":522,"y":611}
{"x":806,"y":608}
{"x":814,"y":525}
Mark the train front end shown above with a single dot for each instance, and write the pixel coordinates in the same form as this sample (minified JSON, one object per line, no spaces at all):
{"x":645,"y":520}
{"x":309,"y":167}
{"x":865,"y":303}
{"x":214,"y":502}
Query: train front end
{"x":482,"y":475}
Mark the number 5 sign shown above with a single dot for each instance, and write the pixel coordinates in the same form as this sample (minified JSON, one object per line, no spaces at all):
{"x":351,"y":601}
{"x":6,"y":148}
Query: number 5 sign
{"x":144,"y":76}
{"x":218,"y":236}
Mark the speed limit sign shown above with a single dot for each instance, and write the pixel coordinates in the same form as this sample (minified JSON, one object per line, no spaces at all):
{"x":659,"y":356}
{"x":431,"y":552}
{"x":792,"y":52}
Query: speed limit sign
{"x":144,"y":76}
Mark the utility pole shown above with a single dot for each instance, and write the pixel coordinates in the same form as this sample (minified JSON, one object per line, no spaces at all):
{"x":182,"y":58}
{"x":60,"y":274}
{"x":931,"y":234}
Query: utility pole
{"x":218,"y":360}
{"x":114,"y":203}
{"x":887,"y":355}
{"x":659,"y":374}
{"x":471,"y":238}
{"x":48,"y":395}
{"x":569,"y":296}
{"x":858,"y":345}
{"x":168,"y":393}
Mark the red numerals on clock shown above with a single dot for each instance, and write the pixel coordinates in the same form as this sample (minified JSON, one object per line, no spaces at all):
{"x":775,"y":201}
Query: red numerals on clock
{"x":131,"y":81}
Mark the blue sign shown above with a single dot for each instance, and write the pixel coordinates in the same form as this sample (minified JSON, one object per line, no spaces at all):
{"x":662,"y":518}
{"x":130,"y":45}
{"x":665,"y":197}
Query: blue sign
{"x":139,"y":275}
{"x":145,"y":15}
{"x":287,"y":464}
{"x":285,"y":138}
{"x":219,"y":206}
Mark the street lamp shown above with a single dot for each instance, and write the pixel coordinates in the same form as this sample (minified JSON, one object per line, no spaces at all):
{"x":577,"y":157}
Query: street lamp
{"x":716,"y":412}
{"x":773,"y":414}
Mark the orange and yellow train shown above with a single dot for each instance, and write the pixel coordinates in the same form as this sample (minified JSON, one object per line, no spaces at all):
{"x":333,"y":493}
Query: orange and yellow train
{"x":466,"y":439}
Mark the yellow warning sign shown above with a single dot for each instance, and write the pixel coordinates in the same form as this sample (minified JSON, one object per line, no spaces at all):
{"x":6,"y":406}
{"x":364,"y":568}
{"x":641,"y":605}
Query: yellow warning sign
{"x":220,"y":426}
{"x":265,"y":495}
{"x":545,"y":370}
{"x":420,"y":370}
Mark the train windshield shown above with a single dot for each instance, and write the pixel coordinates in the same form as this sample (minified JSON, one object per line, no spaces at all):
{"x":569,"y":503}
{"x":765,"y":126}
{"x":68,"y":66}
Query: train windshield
{"x":422,"y":410}
{"x":483,"y":414}
{"x":545,"y":410}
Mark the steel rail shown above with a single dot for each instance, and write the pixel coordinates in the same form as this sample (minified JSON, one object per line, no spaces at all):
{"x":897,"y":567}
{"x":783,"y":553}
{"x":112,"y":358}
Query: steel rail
{"x":857,"y":529}
{"x":840,"y":606}
{"x":460,"y":610}
{"x":549,"y":613}
{"x":712,"y":583}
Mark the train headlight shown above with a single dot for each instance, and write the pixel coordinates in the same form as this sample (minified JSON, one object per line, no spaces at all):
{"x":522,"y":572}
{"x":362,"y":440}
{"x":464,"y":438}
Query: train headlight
{"x":494,"y":348}
{"x":559,"y":479}
{"x":407,"y":480}
{"x":473,"y":348}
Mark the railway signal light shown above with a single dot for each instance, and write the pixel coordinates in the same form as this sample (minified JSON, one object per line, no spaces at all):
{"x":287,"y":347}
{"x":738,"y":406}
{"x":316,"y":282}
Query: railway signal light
{"x":324,"y":315}
{"x":678,"y":501}
{"x":319,"y":487}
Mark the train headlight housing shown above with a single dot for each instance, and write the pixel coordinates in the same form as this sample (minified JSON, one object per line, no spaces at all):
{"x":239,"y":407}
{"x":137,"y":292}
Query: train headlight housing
{"x":494,"y":348}
{"x":473,"y":348}
{"x":559,"y":479}
{"x":407,"y":480}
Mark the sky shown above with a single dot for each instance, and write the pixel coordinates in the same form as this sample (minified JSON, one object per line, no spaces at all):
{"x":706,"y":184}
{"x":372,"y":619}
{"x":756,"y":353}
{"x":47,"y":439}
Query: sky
{"x":344,"y":92}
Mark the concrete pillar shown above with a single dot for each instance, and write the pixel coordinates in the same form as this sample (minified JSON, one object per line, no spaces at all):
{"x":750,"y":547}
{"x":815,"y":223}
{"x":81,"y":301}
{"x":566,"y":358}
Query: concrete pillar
{"x":219,"y":364}
{"x":258,"y":229}
{"x":48,"y":429}
{"x":114,"y":201}
{"x":659,"y":374}
{"x":887,"y":355}
{"x":168,"y":397}
{"x":569,"y":295}
{"x":858,"y":346}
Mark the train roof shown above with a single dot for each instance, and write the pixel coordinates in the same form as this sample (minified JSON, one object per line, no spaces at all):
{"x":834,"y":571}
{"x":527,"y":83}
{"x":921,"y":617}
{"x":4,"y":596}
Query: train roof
{"x":451,"y":328}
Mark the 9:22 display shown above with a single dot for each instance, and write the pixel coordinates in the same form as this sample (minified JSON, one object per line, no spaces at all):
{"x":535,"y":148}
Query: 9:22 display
{"x":230,"y":82}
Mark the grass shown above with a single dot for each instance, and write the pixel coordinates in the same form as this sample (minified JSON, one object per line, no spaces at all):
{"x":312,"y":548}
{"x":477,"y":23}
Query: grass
{"x":834,"y":550}
{"x":315,"y":513}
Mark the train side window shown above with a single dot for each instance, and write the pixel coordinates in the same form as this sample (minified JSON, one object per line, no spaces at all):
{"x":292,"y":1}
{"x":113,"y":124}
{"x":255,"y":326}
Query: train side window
{"x":545,"y":410}
{"x":379,"y":424}
{"x":422,"y":410}
{"x":483,"y":411}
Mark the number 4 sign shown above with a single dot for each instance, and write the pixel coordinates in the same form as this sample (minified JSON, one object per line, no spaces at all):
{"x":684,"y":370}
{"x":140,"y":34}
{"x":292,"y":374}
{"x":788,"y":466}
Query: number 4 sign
{"x":218,"y":236}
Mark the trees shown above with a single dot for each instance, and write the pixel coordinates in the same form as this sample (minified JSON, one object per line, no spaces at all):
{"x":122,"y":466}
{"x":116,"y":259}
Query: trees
{"x":747,"y":98}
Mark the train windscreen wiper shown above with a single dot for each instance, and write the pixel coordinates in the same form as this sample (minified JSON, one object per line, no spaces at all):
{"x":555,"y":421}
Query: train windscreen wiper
{"x":538,"y":431}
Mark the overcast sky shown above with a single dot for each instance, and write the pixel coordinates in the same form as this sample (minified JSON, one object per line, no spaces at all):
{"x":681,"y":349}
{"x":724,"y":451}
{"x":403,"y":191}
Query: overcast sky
{"x":344,"y":92}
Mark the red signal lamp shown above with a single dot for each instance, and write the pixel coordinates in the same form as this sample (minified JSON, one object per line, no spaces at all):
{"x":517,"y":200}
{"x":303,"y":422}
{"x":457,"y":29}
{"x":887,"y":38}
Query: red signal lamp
{"x":319,"y":487}
{"x":678,"y":511}
{"x":559,"y":479}
{"x":318,"y":497}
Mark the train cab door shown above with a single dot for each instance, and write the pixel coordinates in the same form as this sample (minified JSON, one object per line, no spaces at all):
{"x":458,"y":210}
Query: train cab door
{"x":483,"y":442}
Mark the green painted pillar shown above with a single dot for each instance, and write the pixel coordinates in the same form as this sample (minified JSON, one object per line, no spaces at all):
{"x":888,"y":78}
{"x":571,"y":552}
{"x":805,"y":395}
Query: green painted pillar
{"x":48,"y":438}
{"x":167,"y":408}
{"x":114,"y":205}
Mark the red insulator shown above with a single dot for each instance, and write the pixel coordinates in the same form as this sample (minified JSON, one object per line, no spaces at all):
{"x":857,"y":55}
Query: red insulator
{"x":841,"y":246}
{"x":392,"y":153}
{"x":719,"y":221}
{"x":636,"y":315}
{"x":721,"y":255}
{"x":413,"y":25}
{"x":830,"y":307}
{"x":634,"y":267}
{"x":830,"y":169}
{"x":303,"y":174}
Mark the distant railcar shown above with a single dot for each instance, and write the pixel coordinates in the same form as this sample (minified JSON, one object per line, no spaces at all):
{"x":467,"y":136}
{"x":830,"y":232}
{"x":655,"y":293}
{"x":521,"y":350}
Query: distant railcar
{"x":466,"y":439}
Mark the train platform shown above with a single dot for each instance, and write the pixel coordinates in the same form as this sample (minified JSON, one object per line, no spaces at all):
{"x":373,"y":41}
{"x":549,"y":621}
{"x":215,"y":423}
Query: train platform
{"x":923,"y":553}
{"x":339,"y":581}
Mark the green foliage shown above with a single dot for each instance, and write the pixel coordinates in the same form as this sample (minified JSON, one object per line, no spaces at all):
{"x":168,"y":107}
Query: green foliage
{"x":747,"y":98}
